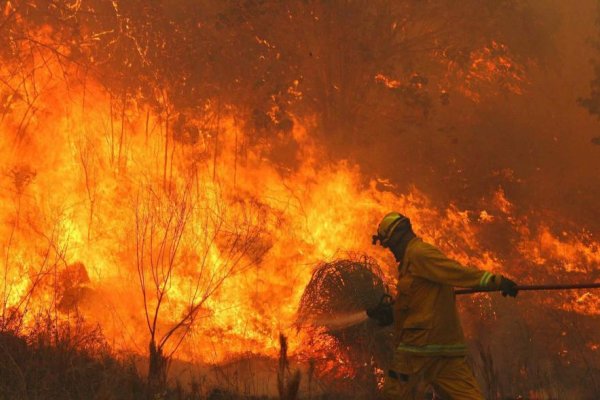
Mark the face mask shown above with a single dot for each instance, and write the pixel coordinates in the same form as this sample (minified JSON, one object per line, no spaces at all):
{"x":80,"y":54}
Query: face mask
{"x":399,"y":244}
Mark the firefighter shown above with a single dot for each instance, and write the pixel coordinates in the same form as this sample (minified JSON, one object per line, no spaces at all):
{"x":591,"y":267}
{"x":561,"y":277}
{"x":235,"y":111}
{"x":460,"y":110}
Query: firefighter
{"x":429,"y":340}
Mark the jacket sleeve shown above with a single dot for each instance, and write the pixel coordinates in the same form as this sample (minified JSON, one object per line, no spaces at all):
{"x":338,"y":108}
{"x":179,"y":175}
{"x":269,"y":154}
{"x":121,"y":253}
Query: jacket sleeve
{"x":428,"y":262}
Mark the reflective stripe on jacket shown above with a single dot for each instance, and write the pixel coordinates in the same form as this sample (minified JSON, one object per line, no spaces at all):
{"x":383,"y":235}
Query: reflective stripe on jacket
{"x":426,"y":318}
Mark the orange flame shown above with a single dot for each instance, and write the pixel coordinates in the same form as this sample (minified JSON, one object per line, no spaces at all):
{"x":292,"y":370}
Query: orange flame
{"x":74,"y":173}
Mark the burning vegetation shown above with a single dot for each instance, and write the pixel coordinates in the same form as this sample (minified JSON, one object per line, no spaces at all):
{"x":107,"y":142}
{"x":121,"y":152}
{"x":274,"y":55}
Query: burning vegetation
{"x":180,"y":182}
{"x":344,"y":347}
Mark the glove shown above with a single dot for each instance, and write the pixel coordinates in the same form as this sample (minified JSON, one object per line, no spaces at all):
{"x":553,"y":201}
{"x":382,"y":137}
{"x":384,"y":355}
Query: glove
{"x":383,"y":312}
{"x":508,"y":287}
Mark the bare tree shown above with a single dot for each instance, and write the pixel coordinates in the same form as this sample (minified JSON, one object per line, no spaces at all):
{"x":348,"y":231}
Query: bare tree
{"x":15,"y":301}
{"x":186,"y":248}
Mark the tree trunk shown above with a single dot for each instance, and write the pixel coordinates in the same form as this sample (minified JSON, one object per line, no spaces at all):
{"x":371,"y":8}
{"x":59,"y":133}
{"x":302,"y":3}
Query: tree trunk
{"x":157,"y":372}
{"x":287,"y":384}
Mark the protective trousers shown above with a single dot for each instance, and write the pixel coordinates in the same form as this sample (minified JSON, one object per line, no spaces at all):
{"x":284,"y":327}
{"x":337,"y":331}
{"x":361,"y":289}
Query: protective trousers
{"x":451,"y":378}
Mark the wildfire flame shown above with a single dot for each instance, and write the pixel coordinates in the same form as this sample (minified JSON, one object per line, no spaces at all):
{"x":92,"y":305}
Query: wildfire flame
{"x":80,"y":170}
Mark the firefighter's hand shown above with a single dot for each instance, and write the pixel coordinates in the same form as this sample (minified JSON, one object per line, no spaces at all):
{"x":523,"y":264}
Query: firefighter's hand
{"x":508,"y":287}
{"x":383,"y":312}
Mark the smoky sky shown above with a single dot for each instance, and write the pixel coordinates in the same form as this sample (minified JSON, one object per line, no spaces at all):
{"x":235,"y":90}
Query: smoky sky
{"x":537,"y":146}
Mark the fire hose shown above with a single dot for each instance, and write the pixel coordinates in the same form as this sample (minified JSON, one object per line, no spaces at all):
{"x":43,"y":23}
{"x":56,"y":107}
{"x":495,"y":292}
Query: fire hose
{"x":383,"y":312}
{"x":535,"y":287}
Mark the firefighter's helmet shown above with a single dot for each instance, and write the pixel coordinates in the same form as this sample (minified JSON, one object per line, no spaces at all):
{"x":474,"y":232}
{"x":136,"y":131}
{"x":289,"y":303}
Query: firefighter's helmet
{"x":388,"y":225}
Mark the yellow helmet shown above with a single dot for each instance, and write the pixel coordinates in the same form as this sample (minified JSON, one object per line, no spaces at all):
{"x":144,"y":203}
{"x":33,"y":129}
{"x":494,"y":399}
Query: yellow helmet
{"x":387,"y":227}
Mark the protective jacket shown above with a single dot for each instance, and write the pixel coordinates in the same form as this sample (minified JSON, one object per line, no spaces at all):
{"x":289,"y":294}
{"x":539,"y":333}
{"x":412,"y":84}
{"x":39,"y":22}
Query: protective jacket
{"x":425,"y":315}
